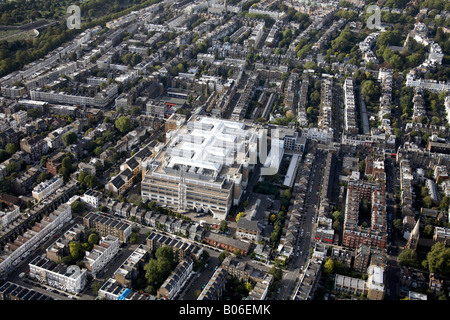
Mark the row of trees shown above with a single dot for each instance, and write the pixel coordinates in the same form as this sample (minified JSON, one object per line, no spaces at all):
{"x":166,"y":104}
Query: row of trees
{"x":437,"y":260}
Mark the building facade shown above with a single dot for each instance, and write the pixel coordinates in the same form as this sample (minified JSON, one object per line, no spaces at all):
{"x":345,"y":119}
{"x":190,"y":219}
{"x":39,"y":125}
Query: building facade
{"x":374,"y":231}
{"x":46,"y":188}
{"x":203,"y":167}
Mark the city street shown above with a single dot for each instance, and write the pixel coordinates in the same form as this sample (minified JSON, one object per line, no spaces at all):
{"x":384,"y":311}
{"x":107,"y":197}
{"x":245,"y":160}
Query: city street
{"x":306,"y":231}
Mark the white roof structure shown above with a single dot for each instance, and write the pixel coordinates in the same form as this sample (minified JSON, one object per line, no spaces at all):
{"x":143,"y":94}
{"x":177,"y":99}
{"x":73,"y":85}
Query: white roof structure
{"x":205,"y":146}
{"x":376,"y":278}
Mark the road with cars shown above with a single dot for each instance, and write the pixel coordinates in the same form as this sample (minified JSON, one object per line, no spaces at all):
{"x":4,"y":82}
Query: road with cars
{"x":305,"y":235}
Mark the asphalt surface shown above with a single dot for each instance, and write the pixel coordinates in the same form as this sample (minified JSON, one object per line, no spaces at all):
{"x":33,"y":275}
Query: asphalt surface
{"x":305,"y":235}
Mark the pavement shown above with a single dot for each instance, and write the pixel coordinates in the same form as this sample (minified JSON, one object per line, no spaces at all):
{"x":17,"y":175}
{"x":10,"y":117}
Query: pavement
{"x":305,"y":236}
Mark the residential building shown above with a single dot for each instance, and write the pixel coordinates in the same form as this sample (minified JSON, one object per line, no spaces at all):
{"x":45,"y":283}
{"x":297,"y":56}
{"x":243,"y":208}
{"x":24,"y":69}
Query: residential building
{"x":35,"y":146}
{"x":107,"y":226}
{"x":101,"y":254}
{"x":91,"y":197}
{"x":60,"y":248}
{"x":128,"y":271}
{"x":374,"y":231}
{"x":442,"y":234}
{"x":176,"y":280}
{"x":375,"y":282}
{"x":23,"y":184}
{"x":113,"y":290}
{"x":224,"y":242}
{"x":46,"y":188}
{"x":71,"y":279}
{"x":54,"y":163}
{"x":31,"y":239}
{"x":8,"y":213}
{"x":350,"y":116}
{"x":14,"y":291}
{"x":215,"y":286}
{"x":183,"y":247}
{"x":350,"y":285}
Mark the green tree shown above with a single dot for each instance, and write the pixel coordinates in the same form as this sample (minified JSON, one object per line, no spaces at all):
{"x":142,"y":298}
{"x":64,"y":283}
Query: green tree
{"x":44,"y":160}
{"x":134,"y":238}
{"x":4,"y":155}
{"x":82,"y":176}
{"x":11,"y":148}
{"x":248,"y":286}
{"x":64,"y":172}
{"x":277,"y":273}
{"x":98,"y":150}
{"x":67,"y":162}
{"x":93,"y":238}
{"x":398,"y":224}
{"x":69,"y":138}
{"x":328,"y":266}
{"x":428,"y":201}
{"x":287,"y":194}
{"x":223,"y":226}
{"x":12,"y":167}
{"x":42,"y":177}
{"x":74,"y":249}
{"x":77,"y":206}
{"x":123,"y":124}
{"x":166,"y":253}
{"x":438,"y":259}
{"x":369,"y":90}
{"x":428,"y":231}
{"x":408,"y":258}
{"x":443,"y":205}
{"x":337,"y":215}
{"x":273,"y":218}
{"x":91,"y":181}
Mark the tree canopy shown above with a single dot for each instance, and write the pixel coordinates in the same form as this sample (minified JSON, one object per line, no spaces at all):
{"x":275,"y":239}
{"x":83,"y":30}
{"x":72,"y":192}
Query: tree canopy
{"x":438,"y":259}
{"x":157,"y":270}
{"x":123,"y":124}
{"x":69,"y":138}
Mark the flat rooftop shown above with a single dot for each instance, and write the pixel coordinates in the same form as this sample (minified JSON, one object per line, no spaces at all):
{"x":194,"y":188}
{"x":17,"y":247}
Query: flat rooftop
{"x":206,"y":149}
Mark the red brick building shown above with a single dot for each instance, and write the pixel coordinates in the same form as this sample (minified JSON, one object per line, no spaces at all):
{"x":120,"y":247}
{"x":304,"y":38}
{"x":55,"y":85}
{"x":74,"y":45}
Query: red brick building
{"x":54,"y":163}
{"x":372,"y":229}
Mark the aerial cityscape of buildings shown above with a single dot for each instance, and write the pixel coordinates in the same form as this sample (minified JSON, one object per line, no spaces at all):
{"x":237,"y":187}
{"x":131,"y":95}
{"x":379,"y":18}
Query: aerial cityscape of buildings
{"x":226,"y":150}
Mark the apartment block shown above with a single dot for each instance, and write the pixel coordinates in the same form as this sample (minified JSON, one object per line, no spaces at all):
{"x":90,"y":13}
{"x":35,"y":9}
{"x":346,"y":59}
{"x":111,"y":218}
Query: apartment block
{"x":183,"y":247}
{"x":215,"y":286}
{"x":8,"y":213}
{"x":96,"y":259}
{"x":92,"y":198}
{"x":176,"y":280}
{"x":46,"y":188}
{"x":35,"y":146}
{"x":32,"y":238}
{"x":128,"y":271}
{"x":375,"y":282}
{"x":60,"y":247}
{"x":350,"y":117}
{"x":14,"y":291}
{"x":54,"y":163}
{"x":374,"y":231}
{"x":71,"y":279}
{"x":113,"y":290}
{"x":107,"y":226}
{"x":225,"y":242}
